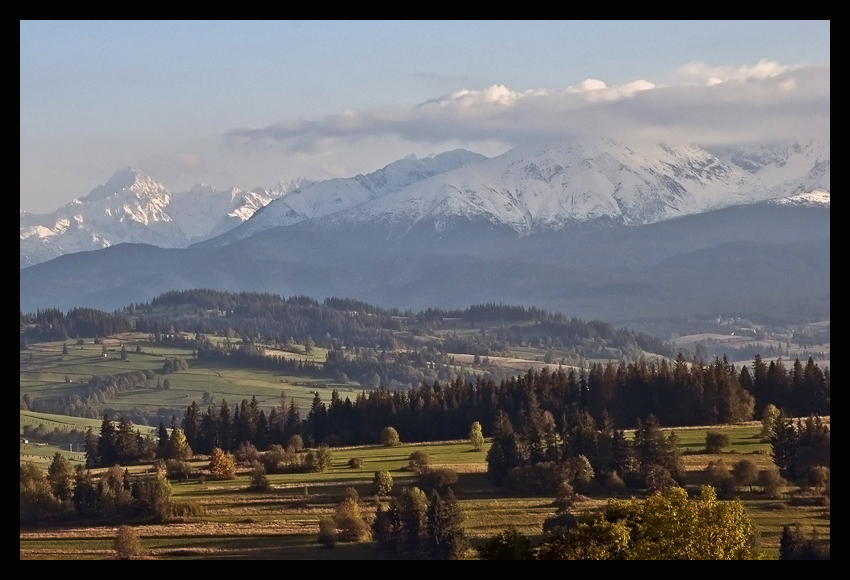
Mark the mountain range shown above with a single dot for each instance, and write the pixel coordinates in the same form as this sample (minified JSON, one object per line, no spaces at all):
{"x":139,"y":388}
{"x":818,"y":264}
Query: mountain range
{"x":598,"y":227}
{"x":133,"y":207}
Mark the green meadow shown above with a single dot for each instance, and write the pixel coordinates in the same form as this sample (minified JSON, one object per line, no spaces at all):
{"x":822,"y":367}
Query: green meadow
{"x":52,"y":374}
{"x":282,"y":522}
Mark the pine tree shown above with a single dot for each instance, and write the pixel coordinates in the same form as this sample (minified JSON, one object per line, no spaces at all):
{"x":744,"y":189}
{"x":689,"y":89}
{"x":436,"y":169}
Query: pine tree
{"x":293,"y":421}
{"x":192,"y":424}
{"x":261,"y":438}
{"x":790,"y":542}
{"x":92,"y":456}
{"x":383,"y":529}
{"x":162,"y":447}
{"x":125,"y":441}
{"x":106,"y":445}
{"x":783,"y":443}
{"x":317,"y":419}
{"x":60,"y":474}
{"x":225,"y":425}
{"x":408,"y":517}
{"x":446,"y":534}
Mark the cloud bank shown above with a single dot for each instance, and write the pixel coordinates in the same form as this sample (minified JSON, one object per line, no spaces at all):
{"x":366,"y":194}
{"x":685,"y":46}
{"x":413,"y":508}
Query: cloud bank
{"x":708,"y":105}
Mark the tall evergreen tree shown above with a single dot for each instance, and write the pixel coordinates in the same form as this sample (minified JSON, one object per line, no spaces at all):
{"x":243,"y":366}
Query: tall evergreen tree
{"x":225,"y":425}
{"x":162,"y":444}
{"x":125,"y":441}
{"x":317,"y":419}
{"x":92,"y":444}
{"x":783,"y":443}
{"x":293,"y":421}
{"x":107,"y":450}
{"x":446,"y":535}
{"x":261,"y":438}
{"x":192,"y":424}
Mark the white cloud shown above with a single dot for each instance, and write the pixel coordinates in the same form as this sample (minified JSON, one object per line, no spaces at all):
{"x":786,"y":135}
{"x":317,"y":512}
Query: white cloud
{"x":711,"y":104}
{"x":700,"y":72}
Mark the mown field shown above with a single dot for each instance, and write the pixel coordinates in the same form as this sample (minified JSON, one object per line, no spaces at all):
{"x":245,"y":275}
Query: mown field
{"x":283,"y":521}
{"x":52,"y":374}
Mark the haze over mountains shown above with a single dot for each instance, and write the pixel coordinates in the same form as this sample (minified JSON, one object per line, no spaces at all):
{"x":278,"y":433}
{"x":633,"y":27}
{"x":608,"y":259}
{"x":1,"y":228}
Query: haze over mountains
{"x":542,"y":225}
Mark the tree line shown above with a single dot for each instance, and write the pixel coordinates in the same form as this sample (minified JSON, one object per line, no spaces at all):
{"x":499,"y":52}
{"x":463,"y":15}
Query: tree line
{"x":618,"y":396}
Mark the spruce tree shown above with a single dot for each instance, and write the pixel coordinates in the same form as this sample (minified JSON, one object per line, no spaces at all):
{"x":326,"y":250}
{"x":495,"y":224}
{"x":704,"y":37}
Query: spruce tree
{"x":446,"y":535}
{"x":106,"y":445}
{"x":125,"y":441}
{"x":162,"y":447}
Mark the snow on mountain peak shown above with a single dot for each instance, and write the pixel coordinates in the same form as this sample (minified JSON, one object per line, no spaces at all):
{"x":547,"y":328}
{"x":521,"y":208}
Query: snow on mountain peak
{"x":323,"y":198}
{"x":133,"y":207}
{"x":550,"y":186}
{"x":816,"y":198}
{"x":127,"y":179}
{"x":529,"y":188}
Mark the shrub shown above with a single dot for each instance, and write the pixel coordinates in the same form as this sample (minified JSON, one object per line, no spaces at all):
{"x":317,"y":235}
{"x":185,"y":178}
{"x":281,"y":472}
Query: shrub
{"x":440,"y":479}
{"x":614,"y":482}
{"x":580,"y":472}
{"x":726,"y":488}
{"x":507,"y":545}
{"x":539,"y":479}
{"x":717,"y":471}
{"x":771,"y":481}
{"x":349,"y":521}
{"x":715,"y":442}
{"x":745,"y":472}
{"x":259,"y":481}
{"x":355,"y":463}
{"x":419,"y":461}
{"x":127,"y":544}
{"x":818,"y":477}
{"x":178,"y":468}
{"x":658,"y":478}
{"x":561,"y":520}
{"x":187,"y":509}
{"x":153,"y":497}
{"x":389,"y":437}
{"x":277,"y":459}
{"x":246,"y":453}
{"x":565,"y":497}
{"x":382,"y":484}
{"x":318,"y":460}
{"x":296,"y":443}
{"x":327,"y":532}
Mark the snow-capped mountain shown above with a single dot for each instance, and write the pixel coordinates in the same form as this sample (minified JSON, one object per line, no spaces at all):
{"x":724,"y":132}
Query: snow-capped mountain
{"x":328,"y":197}
{"x":816,"y":198}
{"x":457,"y":229}
{"x":785,"y":168}
{"x":549,"y":187}
{"x":132,"y":207}
{"x":529,"y":189}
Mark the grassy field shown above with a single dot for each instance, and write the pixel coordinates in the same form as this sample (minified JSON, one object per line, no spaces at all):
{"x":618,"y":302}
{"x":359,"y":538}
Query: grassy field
{"x":283,"y":521}
{"x":52,"y":374}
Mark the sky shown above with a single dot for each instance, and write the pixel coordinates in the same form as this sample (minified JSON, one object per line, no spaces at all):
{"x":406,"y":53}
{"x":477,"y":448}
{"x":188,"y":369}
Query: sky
{"x":249,"y":104}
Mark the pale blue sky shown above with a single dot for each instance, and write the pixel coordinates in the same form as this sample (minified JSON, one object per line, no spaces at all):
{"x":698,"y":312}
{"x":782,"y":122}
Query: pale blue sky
{"x":246,"y":104}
